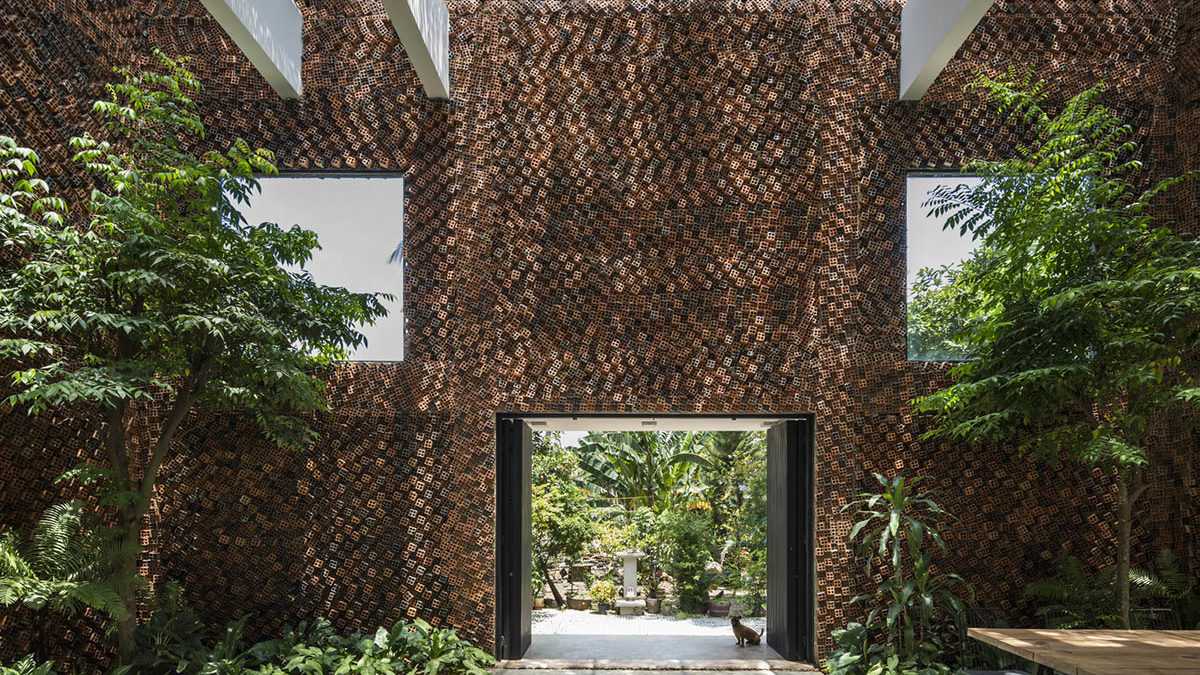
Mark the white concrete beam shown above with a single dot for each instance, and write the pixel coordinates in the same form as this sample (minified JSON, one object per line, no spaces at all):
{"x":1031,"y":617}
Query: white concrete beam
{"x":270,"y":34}
{"x":424,"y":30}
{"x":931,"y":31}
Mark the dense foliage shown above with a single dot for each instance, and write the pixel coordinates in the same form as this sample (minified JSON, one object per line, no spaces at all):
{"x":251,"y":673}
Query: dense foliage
{"x":28,"y":666}
{"x":1080,"y":316}
{"x":175,"y":640}
{"x":934,"y":325}
{"x":562,"y":522}
{"x":157,"y":291}
{"x":916,"y":618}
{"x":636,"y":469}
{"x":1162,"y":596}
{"x":685,"y":538}
{"x":742,"y":501}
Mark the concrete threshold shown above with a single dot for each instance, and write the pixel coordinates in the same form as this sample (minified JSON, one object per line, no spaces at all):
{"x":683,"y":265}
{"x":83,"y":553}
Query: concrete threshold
{"x":718,"y":665}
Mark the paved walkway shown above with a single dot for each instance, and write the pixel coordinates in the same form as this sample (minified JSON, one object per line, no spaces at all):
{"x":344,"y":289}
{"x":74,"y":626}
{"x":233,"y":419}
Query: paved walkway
{"x":575,"y":622}
{"x":527,"y":667}
{"x":697,"y":669}
{"x":573,"y":640}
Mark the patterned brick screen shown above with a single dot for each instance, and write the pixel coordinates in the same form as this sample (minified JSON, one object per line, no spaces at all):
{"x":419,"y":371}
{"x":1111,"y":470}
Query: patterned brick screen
{"x":676,"y":205}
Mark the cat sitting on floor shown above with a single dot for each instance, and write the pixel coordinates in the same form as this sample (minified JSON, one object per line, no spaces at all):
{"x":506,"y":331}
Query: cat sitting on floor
{"x":745,"y":635}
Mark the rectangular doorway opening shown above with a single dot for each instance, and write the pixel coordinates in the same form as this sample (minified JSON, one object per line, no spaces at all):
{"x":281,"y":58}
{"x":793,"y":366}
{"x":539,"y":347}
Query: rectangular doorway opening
{"x":674,"y":522}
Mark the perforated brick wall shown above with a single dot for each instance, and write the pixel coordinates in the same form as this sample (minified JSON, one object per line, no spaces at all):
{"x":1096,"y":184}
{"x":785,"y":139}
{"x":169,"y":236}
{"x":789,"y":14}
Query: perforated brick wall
{"x":678,"y":205}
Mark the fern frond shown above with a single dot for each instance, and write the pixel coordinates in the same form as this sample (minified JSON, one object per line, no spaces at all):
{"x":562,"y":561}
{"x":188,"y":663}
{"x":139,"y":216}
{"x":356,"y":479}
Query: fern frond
{"x":12,"y":563}
{"x":61,"y":546}
{"x":101,"y":597}
{"x":61,"y":567}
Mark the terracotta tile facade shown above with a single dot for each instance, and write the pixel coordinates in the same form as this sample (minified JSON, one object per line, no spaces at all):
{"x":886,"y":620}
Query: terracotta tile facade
{"x":679,"y":205}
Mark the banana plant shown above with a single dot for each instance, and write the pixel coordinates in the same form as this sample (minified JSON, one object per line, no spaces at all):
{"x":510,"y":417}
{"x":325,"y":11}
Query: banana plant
{"x":636,"y":469}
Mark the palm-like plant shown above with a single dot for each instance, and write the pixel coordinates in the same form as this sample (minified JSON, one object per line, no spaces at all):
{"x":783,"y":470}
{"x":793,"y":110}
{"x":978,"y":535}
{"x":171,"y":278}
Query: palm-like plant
{"x":723,"y":480}
{"x":640,"y":468}
{"x":63,"y":565}
{"x":918,"y":606}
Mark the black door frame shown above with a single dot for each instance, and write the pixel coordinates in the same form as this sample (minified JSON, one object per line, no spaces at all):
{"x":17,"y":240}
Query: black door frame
{"x":512,"y":614}
{"x":790,"y":494}
{"x":513,"y":546}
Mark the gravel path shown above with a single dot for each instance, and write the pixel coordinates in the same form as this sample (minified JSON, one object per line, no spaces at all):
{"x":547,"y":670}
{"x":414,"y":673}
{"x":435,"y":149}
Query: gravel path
{"x":575,"y":622}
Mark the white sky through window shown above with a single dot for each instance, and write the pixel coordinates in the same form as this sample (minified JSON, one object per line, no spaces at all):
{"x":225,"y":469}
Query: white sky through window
{"x":928,"y":244}
{"x":360,"y":223}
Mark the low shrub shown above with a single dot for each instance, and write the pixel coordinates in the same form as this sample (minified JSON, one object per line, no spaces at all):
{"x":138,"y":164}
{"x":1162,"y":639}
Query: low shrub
{"x":28,"y":666}
{"x":174,"y":640}
{"x":603,"y":591}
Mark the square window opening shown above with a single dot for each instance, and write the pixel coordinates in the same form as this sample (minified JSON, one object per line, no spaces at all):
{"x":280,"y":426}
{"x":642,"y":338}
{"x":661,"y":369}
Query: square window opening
{"x":359,"y":221}
{"x":930,"y":249}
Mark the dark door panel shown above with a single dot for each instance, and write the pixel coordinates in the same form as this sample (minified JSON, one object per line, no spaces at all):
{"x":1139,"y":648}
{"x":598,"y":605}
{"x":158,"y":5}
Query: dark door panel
{"x":789,"y":539}
{"x":514,"y":603}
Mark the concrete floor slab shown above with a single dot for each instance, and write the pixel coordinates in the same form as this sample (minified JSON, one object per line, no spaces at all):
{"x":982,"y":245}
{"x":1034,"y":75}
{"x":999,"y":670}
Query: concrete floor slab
{"x":575,"y":622}
{"x":616,"y":649}
{"x":592,"y":671}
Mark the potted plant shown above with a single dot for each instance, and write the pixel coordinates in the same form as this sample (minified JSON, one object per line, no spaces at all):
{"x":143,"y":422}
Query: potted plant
{"x":653,"y":584}
{"x":536,"y":583}
{"x":604,"y":593}
{"x":575,"y":602}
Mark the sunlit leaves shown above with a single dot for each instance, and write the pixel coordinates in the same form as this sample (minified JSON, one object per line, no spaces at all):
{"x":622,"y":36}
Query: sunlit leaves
{"x":164,"y":279}
{"x":916,"y":611}
{"x":1076,"y":309}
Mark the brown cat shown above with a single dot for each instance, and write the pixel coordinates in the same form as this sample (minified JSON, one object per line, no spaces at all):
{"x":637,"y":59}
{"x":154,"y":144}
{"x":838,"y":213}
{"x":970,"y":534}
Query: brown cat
{"x":745,"y":635}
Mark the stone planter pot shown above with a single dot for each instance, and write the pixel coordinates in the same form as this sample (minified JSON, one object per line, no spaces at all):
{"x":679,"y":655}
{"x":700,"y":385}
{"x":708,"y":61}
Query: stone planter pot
{"x":603,"y":607}
{"x":652,"y":605}
{"x":718,"y":609}
{"x":579,"y":603}
{"x":539,"y":603}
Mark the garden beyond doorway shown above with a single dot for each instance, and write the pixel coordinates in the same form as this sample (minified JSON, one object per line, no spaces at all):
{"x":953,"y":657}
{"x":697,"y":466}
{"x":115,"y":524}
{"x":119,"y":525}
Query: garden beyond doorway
{"x":649,"y":533}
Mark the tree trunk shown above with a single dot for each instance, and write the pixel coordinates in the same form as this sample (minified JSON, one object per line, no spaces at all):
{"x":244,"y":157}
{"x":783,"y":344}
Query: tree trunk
{"x":1124,"y":525}
{"x":558,"y":599}
{"x":129,"y":550}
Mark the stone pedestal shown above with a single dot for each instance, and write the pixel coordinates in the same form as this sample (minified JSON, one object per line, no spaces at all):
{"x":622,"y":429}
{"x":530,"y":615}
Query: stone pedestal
{"x":635,"y":607}
{"x":630,"y":601}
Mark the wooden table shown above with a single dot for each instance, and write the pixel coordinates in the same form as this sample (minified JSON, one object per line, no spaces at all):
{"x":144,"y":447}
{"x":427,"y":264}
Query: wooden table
{"x":1100,"y":652}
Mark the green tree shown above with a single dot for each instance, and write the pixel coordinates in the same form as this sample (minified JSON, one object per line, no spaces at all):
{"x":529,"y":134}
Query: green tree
{"x":560,"y":509}
{"x":728,"y":467}
{"x":160,"y":295}
{"x":746,"y":531}
{"x":641,"y":468}
{"x":932,"y":324}
{"x":1078,"y":313}
{"x":685,"y":540}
